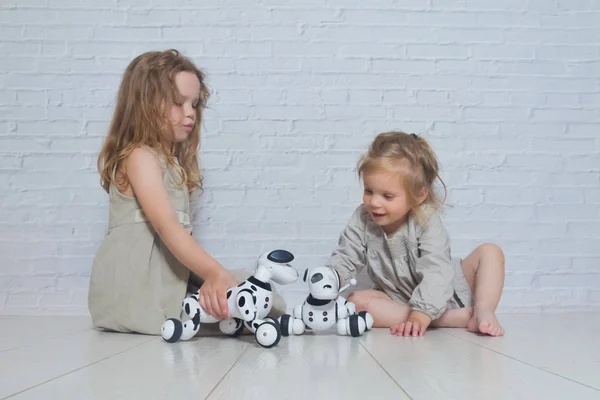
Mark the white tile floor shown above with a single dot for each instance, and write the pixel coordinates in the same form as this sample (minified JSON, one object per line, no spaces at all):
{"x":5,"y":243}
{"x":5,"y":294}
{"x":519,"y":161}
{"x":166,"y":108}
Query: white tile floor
{"x":552,"y":356}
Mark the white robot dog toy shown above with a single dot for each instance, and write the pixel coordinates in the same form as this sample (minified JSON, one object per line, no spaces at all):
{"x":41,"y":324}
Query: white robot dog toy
{"x":249,"y":303}
{"x":324,"y":307}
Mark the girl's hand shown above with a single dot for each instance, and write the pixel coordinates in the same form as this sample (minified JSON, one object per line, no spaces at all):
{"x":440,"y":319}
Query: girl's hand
{"x":213,"y":293}
{"x":415,"y":325}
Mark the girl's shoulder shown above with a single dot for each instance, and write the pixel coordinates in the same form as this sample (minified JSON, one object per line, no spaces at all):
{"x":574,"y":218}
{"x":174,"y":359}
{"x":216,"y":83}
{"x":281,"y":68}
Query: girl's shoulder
{"x":139,"y":160}
{"x":172,"y":172}
{"x":145,"y":154}
{"x":429,"y":222}
{"x":358,"y":224}
{"x":360,"y":217}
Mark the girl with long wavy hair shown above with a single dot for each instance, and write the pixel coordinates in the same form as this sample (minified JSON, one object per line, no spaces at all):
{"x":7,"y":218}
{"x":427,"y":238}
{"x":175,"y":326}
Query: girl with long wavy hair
{"x":148,"y":165}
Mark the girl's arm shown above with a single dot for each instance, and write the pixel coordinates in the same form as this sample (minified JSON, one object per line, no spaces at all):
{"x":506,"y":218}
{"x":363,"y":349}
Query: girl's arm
{"x":349,"y":258}
{"x":435,"y":272}
{"x":146,"y":178}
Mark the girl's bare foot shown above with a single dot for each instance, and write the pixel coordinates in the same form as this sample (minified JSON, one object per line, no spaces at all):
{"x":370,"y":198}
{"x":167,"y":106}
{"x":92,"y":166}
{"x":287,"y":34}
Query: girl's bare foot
{"x":485,"y":321}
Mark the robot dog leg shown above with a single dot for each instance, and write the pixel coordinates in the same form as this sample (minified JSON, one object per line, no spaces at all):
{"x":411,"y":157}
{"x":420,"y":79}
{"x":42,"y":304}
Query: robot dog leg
{"x":174,"y":330}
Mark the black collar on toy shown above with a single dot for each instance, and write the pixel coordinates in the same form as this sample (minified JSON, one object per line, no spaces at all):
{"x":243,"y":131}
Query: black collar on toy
{"x":264,"y":285}
{"x":316,"y":302}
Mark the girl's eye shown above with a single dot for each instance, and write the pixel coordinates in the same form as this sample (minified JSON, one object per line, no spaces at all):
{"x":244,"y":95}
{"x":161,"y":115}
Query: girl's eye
{"x":367,"y":191}
{"x":196,"y":105}
{"x":388,"y":196}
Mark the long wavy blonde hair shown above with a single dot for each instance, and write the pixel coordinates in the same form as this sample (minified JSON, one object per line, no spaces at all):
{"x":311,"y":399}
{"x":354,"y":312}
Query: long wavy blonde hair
{"x":413,"y":158}
{"x":142,"y":118}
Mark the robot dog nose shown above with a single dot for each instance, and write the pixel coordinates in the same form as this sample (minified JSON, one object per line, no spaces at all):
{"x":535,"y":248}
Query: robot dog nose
{"x":327,"y":287}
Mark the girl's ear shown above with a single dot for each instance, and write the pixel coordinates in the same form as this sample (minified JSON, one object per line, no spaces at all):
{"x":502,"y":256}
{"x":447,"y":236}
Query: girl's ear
{"x":423,"y":193}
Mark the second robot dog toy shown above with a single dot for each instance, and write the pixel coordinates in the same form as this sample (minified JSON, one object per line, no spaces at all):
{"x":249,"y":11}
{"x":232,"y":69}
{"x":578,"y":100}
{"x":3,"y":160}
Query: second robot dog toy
{"x":324,"y":308}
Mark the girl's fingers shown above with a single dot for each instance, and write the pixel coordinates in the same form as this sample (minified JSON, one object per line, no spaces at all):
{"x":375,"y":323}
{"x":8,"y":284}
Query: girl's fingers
{"x":202,"y":302}
{"x":208,"y":306}
{"x":416,"y":329}
{"x":214,"y":302}
{"x":222,"y":297}
{"x":407,"y":328}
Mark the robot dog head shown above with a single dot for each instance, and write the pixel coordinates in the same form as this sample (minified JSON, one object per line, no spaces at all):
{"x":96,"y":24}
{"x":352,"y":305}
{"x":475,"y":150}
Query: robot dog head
{"x":276,"y":264}
{"x":323,"y":283}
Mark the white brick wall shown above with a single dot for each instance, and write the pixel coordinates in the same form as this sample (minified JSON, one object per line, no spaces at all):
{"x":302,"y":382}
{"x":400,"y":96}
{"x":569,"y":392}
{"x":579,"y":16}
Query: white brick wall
{"x":507,"y":91}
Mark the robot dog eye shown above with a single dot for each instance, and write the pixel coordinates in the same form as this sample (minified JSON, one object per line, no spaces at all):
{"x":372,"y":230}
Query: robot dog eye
{"x":316,"y":277}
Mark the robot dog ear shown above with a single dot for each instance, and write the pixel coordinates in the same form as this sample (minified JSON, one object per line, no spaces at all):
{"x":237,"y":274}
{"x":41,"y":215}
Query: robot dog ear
{"x":337,"y":275}
{"x":305,"y":274}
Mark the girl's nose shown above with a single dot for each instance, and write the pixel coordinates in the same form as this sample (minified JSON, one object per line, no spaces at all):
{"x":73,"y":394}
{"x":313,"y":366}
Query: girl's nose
{"x":189,"y":111}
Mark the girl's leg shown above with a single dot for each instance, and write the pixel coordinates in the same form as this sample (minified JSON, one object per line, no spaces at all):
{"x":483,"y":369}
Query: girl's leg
{"x":384,"y":310}
{"x":454,"y":318}
{"x":387,"y":313}
{"x":484,"y":272}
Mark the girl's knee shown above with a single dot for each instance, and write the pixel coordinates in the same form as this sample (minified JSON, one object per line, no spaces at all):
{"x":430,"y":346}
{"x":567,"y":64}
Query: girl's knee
{"x":491,"y":250}
{"x":360,"y":300}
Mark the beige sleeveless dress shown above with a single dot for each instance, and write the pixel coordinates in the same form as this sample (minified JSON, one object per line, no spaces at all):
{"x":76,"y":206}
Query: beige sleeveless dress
{"x":136,"y":283}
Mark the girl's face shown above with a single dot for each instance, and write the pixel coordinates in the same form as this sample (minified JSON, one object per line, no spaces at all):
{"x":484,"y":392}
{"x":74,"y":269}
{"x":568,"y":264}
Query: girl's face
{"x":386,"y":199}
{"x":184,"y":110}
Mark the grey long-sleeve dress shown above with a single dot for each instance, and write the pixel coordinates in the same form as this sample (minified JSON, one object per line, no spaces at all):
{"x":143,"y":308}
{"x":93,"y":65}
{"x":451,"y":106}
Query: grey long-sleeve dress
{"x":413,"y":267}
